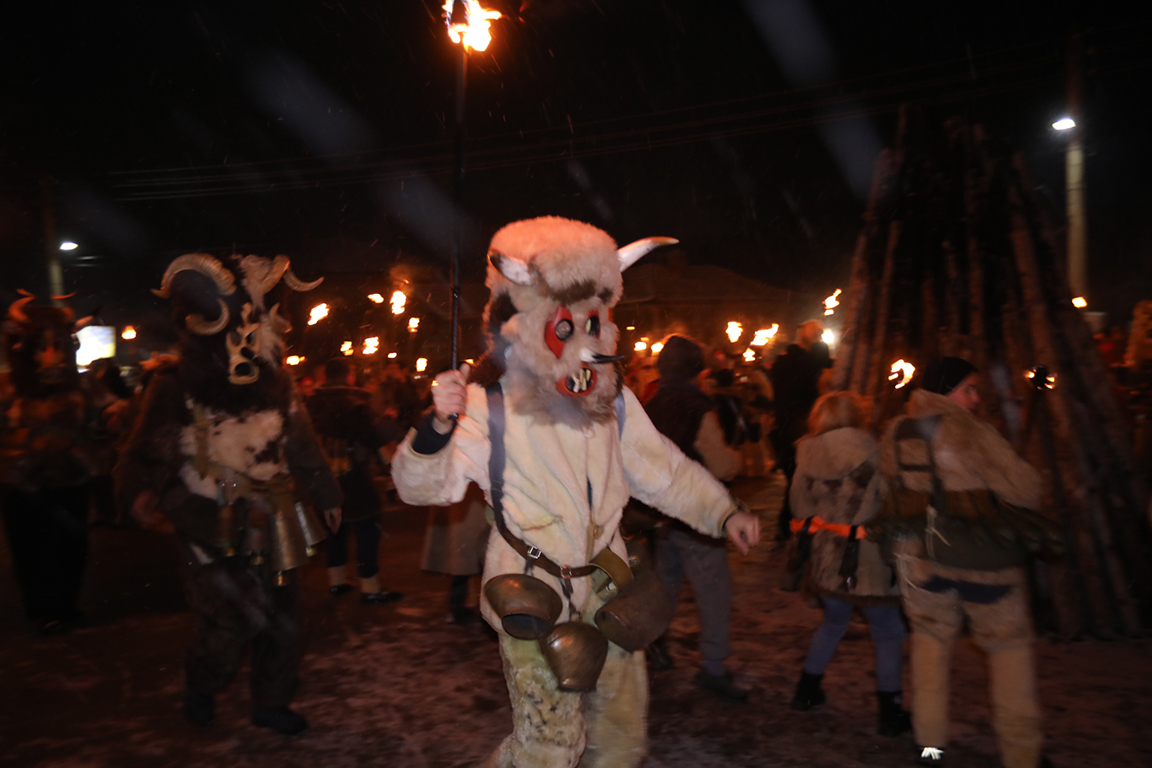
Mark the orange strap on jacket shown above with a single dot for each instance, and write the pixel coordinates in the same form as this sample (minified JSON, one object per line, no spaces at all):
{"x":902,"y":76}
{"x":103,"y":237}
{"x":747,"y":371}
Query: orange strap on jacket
{"x":840,"y":529}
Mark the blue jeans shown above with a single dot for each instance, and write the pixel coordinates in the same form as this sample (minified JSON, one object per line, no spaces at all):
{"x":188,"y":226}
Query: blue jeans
{"x":887,"y":631}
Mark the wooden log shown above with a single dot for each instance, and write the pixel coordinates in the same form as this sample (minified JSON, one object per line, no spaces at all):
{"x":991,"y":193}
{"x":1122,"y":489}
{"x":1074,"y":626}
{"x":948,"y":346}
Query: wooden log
{"x":1108,"y":590}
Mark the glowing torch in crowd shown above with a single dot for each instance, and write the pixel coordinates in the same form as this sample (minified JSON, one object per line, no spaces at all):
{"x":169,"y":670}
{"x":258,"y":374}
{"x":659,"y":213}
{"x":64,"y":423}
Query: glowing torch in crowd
{"x":831,"y":303}
{"x":761,"y":337}
{"x":469,"y":26}
{"x":734,"y":330}
{"x":901,"y":372}
{"x":318,"y":313}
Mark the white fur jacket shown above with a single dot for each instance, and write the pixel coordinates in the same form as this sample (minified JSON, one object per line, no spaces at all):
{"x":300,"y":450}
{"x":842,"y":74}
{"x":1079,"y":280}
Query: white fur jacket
{"x":838,"y":479}
{"x":551,"y":470}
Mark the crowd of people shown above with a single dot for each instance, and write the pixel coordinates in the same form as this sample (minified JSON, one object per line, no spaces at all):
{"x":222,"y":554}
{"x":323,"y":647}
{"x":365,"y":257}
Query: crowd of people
{"x":930,"y":525}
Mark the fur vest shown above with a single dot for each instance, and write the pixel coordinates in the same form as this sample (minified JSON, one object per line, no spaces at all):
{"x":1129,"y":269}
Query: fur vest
{"x":990,"y":492}
{"x":838,"y":479}
{"x":260,"y":444}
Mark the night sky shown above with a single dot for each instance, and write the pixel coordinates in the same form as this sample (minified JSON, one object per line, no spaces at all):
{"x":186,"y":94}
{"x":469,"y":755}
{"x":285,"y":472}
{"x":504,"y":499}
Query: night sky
{"x":324,"y":130}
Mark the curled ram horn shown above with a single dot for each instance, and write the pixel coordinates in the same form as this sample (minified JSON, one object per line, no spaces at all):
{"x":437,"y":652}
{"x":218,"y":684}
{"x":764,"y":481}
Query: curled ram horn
{"x":201,"y":327}
{"x":631,"y":253}
{"x":206,"y":265}
{"x":279,"y":321}
{"x":296,"y":283}
{"x":275,"y":273}
{"x":83,"y":322}
{"x":16,"y":311}
{"x":517,"y":271}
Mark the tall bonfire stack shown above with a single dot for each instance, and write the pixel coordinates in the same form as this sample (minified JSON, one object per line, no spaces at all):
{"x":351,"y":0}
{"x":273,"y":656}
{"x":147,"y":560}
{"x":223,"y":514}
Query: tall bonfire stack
{"x":959,"y":256}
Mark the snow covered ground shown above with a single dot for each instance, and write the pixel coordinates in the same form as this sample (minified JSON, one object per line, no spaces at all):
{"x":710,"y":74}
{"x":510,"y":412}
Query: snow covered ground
{"x":397,"y":686}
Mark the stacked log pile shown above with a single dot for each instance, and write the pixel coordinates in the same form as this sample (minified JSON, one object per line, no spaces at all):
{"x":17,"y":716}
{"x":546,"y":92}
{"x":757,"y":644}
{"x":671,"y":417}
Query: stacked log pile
{"x":959,"y":256}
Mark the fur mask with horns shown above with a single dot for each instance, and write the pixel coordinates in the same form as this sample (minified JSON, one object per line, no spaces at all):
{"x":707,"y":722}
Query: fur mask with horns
{"x":554,"y":282}
{"x":233,"y":330}
{"x":41,"y":347}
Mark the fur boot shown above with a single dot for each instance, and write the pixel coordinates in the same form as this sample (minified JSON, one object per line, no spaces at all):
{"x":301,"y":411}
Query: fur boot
{"x":808,"y":693}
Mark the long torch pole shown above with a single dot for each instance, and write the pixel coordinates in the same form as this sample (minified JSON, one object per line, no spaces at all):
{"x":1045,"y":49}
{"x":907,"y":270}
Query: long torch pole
{"x":458,"y":244}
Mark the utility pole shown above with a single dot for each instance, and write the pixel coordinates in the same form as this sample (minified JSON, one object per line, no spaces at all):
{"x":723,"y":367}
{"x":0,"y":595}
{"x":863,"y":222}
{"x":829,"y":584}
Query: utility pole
{"x":1074,"y":173}
{"x":51,"y":246}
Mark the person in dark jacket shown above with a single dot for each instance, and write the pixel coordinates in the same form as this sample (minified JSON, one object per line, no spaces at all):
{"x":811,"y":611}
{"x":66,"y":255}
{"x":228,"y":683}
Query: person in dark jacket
{"x":795,"y":379}
{"x":689,"y":418}
{"x":351,"y":433}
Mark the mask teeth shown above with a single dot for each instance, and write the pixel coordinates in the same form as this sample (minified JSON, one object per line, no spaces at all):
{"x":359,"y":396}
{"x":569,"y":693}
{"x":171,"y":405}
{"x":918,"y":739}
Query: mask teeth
{"x":580,"y":382}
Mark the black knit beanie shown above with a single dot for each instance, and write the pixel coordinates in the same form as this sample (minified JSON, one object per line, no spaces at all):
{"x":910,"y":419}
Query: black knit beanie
{"x":681,"y":359}
{"x":944,"y":374}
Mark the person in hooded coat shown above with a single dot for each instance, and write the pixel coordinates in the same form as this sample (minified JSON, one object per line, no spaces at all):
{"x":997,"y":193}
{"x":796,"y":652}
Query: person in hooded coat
{"x":690,"y":419}
{"x":835,"y":493}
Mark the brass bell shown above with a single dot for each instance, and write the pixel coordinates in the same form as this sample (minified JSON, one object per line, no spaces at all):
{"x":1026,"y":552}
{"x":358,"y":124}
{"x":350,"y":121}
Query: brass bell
{"x":638,"y":614}
{"x":576,"y":653}
{"x":314,"y":532}
{"x":287,"y":549}
{"x":527,"y":607}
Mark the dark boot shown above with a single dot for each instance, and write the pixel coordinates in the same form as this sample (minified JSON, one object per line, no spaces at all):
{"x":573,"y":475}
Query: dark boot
{"x":279,"y":719}
{"x":808,"y":693}
{"x":200,"y":708}
{"x":894,"y":719}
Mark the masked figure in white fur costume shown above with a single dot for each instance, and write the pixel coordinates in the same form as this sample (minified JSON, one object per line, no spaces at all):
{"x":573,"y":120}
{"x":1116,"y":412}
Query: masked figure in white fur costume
{"x":546,"y":429}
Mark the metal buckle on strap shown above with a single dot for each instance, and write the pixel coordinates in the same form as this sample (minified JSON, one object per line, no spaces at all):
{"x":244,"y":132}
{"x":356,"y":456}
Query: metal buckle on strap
{"x":533,"y":552}
{"x":566,"y":572}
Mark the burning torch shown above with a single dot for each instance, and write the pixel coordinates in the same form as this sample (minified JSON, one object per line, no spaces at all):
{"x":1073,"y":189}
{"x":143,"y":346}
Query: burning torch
{"x":468,"y":26}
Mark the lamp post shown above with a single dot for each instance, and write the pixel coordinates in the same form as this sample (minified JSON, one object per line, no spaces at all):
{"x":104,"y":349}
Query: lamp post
{"x":470,"y":30}
{"x":1074,"y":173}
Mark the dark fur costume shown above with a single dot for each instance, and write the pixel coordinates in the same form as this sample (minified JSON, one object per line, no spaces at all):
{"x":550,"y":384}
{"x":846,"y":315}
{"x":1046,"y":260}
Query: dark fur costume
{"x":222,"y":426}
{"x":48,"y":457}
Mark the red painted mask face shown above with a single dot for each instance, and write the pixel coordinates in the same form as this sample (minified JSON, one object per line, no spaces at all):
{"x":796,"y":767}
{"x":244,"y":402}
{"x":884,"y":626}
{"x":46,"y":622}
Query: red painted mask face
{"x":559,"y":330}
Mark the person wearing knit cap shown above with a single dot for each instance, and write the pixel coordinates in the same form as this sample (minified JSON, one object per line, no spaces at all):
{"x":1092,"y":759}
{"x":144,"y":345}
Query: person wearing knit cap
{"x":959,"y":519}
{"x":689,"y":418}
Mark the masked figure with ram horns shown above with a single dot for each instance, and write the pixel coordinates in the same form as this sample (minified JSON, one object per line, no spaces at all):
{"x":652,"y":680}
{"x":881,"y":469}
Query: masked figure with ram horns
{"x":225,"y":451}
{"x":547,"y":431}
{"x":48,"y":457}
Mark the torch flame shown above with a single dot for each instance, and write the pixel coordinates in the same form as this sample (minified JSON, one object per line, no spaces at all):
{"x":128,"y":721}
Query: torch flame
{"x":129,"y":333}
{"x":734,"y":331}
{"x":831,"y":303}
{"x":749,"y":355}
{"x":398,"y":302}
{"x":1080,"y":302}
{"x":318,"y":313}
{"x":294,"y":359}
{"x":375,"y":298}
{"x":346,"y":348}
{"x":764,"y":335}
{"x":474,"y":31}
{"x":903,"y":371}
{"x":413,"y":324}
{"x":371,"y":344}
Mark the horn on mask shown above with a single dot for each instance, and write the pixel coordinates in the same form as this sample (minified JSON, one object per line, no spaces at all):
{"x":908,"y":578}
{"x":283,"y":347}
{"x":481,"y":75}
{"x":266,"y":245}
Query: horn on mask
{"x":16,"y":311}
{"x":631,"y":253}
{"x":296,"y":283}
{"x":197,"y":262}
{"x":275,"y":273}
{"x":516,"y":271}
{"x":201,"y":327}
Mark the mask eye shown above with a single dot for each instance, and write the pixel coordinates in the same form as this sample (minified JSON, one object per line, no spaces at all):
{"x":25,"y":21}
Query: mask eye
{"x":559,"y":330}
{"x":251,"y":338}
{"x":592,"y":325}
